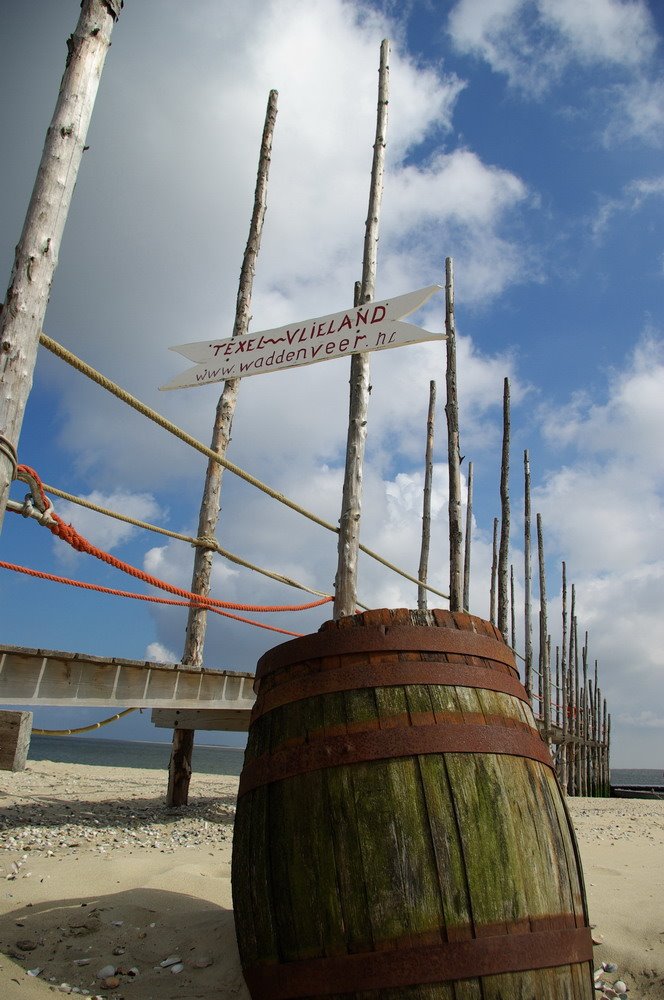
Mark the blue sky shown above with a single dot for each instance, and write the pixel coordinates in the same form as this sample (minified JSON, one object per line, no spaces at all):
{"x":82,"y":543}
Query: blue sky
{"x":524,"y":140}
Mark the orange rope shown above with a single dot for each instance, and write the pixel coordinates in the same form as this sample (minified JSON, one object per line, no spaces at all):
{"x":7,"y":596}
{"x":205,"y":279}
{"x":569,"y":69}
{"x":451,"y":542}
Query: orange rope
{"x":202,"y":602}
{"x":81,"y":544}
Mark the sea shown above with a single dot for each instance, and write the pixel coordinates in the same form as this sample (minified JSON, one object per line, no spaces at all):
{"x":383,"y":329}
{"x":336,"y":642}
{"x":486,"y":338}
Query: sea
{"x":211,"y":759}
{"x":125,"y":753}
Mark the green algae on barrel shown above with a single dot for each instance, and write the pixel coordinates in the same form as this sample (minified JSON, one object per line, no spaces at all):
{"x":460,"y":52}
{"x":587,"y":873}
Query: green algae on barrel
{"x":400,"y":831}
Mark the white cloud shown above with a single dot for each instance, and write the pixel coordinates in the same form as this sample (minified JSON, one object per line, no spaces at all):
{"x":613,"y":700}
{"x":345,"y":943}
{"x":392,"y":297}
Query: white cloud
{"x":160,"y":654}
{"x":639,"y":113}
{"x":634,"y":196}
{"x":604,"y":512}
{"x":534,"y":41}
{"x":106,"y":532}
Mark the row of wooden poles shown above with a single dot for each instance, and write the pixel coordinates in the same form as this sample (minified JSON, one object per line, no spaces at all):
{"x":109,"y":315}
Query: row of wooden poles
{"x":567,"y":702}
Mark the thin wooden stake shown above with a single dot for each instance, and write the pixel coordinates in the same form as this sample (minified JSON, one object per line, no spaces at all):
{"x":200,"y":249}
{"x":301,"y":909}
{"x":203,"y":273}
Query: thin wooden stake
{"x":494,"y":573}
{"x":36,"y":255}
{"x":528,"y":576}
{"x":503,"y":556}
{"x":453,"y":446}
{"x":468,"y":539}
{"x":345,"y":588}
{"x":512,"y":609}
{"x":426,"y":506}
{"x":179,"y":772}
{"x":543,"y":657}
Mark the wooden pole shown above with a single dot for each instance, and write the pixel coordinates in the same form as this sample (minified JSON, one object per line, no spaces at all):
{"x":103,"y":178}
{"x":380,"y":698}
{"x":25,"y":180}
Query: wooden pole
{"x":345,"y":587}
{"x":584,"y":719}
{"x":503,"y":556}
{"x":527,"y":575}
{"x":544,"y":665}
{"x":512,"y":610}
{"x":564,"y":761}
{"x":36,"y":255}
{"x":426,"y":505}
{"x":556,"y":714}
{"x":468,"y":539}
{"x":605,"y":754}
{"x":577,"y":716}
{"x":572,"y":698}
{"x":494,"y":573}
{"x":179,"y":771}
{"x":608,"y":754}
{"x":453,"y":447}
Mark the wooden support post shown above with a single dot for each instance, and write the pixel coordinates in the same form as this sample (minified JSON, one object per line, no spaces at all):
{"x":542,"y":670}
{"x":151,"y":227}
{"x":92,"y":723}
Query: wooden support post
{"x":564,"y":762}
{"x":512,"y":609}
{"x":345,"y":586}
{"x":426,"y":504}
{"x":584,"y":720}
{"x":468,"y":539}
{"x":15,"y":729}
{"x":557,"y":689}
{"x":563,"y":676}
{"x":503,"y":556}
{"x":544,"y":665}
{"x":527,"y":577}
{"x":494,"y":573}
{"x":608,"y":752}
{"x":179,"y":770}
{"x":605,"y":752}
{"x":577,"y":715}
{"x":453,"y":446}
{"x":36,"y":256}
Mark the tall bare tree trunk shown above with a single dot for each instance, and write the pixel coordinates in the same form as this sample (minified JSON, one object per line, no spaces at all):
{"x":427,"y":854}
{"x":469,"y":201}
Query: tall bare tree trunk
{"x":426,"y":505}
{"x":468,"y":540}
{"x":503,"y":555}
{"x":345,"y":587}
{"x":494,"y":573}
{"x":543,"y":654}
{"x":37,"y":251}
{"x":179,"y":772}
{"x":527,"y":577}
{"x":453,"y":447}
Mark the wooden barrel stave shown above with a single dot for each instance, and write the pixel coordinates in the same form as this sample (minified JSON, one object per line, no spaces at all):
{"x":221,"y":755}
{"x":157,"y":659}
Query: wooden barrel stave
{"x":326,"y":846}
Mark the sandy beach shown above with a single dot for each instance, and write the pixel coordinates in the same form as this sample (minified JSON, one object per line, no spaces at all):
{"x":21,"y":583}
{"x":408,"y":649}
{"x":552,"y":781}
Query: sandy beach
{"x":97,"y":873}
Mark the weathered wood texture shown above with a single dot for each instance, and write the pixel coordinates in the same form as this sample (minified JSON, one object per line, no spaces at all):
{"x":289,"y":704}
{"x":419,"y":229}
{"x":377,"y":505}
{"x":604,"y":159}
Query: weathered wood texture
{"x":468,"y":540}
{"x":51,"y":677}
{"x":345,"y":586}
{"x":179,"y":771}
{"x":15,"y":729}
{"x":37,"y":251}
{"x":346,"y":865}
{"x":503,"y":554}
{"x":423,"y":570}
{"x":453,"y":445}
{"x":494,"y":573}
{"x":527,"y":579}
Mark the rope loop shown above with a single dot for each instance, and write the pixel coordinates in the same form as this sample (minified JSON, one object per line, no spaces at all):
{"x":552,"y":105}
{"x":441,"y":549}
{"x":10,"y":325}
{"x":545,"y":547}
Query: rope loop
{"x":9,"y":451}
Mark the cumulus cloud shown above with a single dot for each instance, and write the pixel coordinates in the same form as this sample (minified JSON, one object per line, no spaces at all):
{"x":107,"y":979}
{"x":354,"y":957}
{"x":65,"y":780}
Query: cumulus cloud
{"x":635,"y":195}
{"x":105,"y":532}
{"x":159,"y":654}
{"x":536,"y":42}
{"x":194,"y":230}
{"x":604,"y":512}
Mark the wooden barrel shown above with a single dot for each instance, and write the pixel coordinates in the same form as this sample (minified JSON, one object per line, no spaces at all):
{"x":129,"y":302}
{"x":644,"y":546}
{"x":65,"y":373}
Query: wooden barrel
{"x":400,"y":831}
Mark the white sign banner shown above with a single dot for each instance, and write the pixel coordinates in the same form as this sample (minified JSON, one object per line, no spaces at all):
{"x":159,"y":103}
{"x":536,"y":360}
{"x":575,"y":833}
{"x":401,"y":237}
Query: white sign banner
{"x":374,"y":326}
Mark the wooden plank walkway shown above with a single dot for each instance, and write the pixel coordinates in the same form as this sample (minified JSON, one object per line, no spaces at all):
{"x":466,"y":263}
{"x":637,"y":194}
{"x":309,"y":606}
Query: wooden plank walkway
{"x":48,"y":677}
